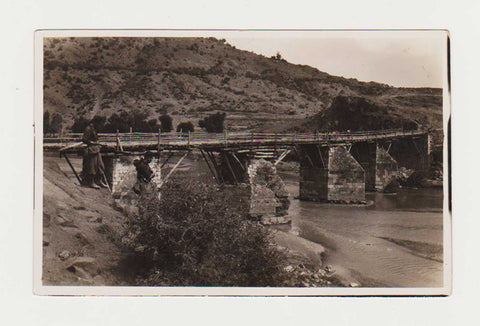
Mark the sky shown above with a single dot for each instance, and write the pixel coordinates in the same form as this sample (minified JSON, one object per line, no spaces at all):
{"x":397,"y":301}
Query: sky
{"x":402,"y":59}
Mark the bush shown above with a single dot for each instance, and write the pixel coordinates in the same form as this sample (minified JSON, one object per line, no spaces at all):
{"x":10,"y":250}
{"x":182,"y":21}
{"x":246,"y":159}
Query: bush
{"x":80,"y":124}
{"x":213,"y":123}
{"x":185,"y":127}
{"x":166,"y":123}
{"x":199,"y":239}
{"x":52,"y":124}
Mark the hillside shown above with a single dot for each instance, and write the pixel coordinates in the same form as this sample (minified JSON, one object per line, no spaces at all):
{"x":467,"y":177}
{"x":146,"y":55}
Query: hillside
{"x":189,"y":78}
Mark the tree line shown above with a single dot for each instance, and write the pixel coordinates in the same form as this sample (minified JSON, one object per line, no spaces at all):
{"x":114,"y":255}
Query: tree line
{"x":134,"y":120}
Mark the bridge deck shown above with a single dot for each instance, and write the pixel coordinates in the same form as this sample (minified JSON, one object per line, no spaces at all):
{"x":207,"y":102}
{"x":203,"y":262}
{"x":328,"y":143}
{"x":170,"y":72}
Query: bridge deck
{"x":212,"y":141}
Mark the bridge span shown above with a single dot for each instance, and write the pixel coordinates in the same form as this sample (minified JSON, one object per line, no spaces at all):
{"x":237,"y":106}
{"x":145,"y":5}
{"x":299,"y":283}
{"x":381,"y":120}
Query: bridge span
{"x":334,"y":167}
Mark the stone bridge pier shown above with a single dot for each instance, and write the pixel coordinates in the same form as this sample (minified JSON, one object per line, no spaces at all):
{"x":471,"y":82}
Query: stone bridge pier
{"x":381,"y":169}
{"x":382,"y":160}
{"x":122,"y":175}
{"x":330,"y":174}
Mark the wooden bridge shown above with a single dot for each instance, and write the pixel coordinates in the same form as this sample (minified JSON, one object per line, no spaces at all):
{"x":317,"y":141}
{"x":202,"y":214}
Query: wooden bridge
{"x":334,"y":167}
{"x":154,"y":141}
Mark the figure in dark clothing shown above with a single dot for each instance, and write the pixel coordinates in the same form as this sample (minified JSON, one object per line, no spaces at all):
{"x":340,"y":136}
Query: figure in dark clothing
{"x":144,"y":173}
{"x":93,"y":167}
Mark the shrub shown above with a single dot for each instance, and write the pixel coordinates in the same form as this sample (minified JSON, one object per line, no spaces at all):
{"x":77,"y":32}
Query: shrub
{"x":53,"y":123}
{"x":213,"y":123}
{"x":166,"y":123}
{"x":199,"y":239}
{"x":80,"y":124}
{"x":185,"y":127}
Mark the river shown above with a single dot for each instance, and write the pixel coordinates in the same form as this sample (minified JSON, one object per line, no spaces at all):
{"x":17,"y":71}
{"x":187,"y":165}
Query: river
{"x":394,"y":241}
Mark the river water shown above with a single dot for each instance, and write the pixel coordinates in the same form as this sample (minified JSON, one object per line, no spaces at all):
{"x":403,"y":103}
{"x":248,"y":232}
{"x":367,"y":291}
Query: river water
{"x":394,"y":241}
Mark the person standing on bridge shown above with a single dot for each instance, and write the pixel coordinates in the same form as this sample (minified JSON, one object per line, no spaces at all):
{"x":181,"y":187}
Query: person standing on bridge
{"x":93,"y":167}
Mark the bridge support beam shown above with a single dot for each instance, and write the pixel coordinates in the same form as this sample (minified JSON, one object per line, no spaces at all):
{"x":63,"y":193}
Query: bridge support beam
{"x":232,"y":166}
{"x":330,"y":174}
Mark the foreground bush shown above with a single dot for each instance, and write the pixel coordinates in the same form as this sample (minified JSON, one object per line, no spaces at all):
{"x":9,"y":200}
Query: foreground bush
{"x":195,"y":235}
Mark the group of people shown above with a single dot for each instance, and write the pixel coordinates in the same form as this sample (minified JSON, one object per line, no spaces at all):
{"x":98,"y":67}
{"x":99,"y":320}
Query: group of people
{"x":93,"y":173}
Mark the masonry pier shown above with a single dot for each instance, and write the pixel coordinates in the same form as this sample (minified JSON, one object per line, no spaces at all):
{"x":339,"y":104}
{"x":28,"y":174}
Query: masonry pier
{"x":330,"y":174}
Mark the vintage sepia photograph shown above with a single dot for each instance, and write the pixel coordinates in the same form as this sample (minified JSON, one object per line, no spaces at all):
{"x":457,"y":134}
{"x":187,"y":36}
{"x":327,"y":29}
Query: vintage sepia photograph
{"x":242,"y":162}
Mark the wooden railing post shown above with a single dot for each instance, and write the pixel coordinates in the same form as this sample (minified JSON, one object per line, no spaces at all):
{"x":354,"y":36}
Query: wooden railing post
{"x":118,"y":140}
{"x":158,"y":143}
{"x":251,"y":144}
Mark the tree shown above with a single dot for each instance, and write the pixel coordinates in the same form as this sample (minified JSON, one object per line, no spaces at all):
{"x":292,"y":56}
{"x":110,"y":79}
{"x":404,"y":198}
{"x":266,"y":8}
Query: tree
{"x":56,"y":123}
{"x":152,"y":125}
{"x":185,"y":127}
{"x":117,"y":122}
{"x":166,"y":122}
{"x":52,"y":124}
{"x":80,"y":124}
{"x":99,"y":122}
{"x":213,"y":123}
{"x":46,"y":123}
{"x":196,"y":238}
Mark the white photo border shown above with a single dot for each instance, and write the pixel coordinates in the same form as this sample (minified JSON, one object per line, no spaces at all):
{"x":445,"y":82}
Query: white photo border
{"x":40,"y":289}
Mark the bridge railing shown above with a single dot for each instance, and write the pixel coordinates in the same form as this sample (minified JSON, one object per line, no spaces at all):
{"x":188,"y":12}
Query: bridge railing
{"x":196,"y":138}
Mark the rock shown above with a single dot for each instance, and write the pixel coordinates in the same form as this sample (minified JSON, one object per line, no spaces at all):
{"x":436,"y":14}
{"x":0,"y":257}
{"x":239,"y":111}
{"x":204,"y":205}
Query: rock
{"x":321,"y":272}
{"x":329,"y":269}
{"x":46,"y":242}
{"x":94,"y":219}
{"x":289,"y":269}
{"x":104,"y":229}
{"x":84,"y":264}
{"x":64,"y":221}
{"x":353,"y":285}
{"x":80,"y":272}
{"x":82,"y":239}
{"x":99,"y":280}
{"x":64,"y":255}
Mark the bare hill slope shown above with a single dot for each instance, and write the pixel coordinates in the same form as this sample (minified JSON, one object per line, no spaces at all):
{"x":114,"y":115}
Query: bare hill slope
{"x":189,"y":78}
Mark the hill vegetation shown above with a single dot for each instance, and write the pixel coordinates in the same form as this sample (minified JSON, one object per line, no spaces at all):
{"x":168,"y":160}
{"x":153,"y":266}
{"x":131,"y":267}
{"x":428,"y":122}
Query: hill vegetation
{"x":192,"y":78}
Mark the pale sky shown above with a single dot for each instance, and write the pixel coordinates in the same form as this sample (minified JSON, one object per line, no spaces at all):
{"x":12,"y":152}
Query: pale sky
{"x":404,"y":59}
